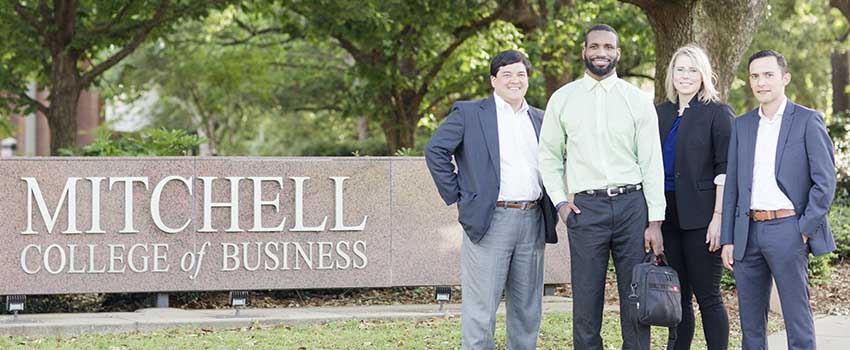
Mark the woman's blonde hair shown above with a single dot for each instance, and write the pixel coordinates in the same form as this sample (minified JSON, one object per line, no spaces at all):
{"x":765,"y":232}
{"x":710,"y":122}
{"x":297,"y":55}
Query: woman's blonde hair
{"x":707,"y":92}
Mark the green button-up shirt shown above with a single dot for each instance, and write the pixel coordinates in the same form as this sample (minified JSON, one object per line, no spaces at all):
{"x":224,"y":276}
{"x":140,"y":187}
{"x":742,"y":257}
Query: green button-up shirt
{"x":608,"y":131}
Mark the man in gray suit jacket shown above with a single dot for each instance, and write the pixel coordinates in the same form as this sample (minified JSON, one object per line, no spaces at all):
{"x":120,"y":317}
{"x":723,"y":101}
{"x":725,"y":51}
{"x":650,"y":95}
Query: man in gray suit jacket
{"x":502,"y":205}
{"x":780,"y":182}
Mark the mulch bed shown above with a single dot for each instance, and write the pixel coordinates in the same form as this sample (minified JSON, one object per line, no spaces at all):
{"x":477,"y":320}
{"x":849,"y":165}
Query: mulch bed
{"x":832,"y":298}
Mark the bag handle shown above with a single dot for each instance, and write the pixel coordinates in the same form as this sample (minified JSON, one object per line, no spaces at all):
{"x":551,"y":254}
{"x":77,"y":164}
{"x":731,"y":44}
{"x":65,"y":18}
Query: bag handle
{"x":659,"y":260}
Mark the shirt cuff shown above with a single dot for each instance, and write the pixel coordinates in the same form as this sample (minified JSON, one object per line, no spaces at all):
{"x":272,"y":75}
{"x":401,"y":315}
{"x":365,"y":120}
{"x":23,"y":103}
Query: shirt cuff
{"x":720,"y":180}
{"x":561,"y":204}
{"x":557,"y":196}
{"x":656,"y":214}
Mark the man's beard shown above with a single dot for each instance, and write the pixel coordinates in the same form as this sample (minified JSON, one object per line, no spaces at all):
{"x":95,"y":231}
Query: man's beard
{"x":601,"y":71}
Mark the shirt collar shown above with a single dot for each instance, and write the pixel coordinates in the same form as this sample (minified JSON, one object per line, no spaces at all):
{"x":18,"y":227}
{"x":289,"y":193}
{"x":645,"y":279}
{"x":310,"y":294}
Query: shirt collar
{"x":779,"y":112}
{"x":691,"y":104}
{"x":502,"y":104}
{"x":607,"y":83}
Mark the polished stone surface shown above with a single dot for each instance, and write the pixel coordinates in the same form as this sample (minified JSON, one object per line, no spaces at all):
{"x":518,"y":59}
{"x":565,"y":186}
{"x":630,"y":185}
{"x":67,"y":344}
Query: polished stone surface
{"x":410,"y":237}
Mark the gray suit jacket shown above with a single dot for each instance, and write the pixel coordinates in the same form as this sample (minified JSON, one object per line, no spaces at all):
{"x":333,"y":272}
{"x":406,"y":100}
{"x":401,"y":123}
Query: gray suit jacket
{"x":805,"y":172}
{"x":470,"y":134}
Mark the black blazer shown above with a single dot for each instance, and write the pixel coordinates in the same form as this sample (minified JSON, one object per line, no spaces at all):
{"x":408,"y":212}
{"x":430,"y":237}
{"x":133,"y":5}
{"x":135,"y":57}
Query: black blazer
{"x":470,"y":134}
{"x":702,"y":142}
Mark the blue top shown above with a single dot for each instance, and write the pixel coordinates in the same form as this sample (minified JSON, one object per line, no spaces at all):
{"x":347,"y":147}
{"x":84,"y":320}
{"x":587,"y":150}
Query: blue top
{"x":668,"y":150}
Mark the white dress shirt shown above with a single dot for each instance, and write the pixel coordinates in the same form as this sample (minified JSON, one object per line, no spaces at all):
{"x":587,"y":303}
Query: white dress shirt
{"x":520,"y":178}
{"x":766,"y":193}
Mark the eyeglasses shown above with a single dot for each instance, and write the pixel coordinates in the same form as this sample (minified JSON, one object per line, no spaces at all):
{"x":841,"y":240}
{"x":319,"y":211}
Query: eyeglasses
{"x":686,"y":71}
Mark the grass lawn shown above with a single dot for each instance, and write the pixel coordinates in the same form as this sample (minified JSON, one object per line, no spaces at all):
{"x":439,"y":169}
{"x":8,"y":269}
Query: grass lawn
{"x":440,"y":333}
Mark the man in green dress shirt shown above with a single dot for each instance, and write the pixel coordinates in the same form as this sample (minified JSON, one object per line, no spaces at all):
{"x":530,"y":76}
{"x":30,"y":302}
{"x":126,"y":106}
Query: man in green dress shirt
{"x":607,"y":130}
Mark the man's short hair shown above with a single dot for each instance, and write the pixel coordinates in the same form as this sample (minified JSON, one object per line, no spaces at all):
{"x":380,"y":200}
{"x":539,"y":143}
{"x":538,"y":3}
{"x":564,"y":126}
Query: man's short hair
{"x":780,"y":60}
{"x":602,"y":28}
{"x":509,"y":57}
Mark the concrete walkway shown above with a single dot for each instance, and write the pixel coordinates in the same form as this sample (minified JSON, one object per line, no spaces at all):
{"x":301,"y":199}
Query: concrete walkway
{"x":145,"y":320}
{"x":833,"y":332}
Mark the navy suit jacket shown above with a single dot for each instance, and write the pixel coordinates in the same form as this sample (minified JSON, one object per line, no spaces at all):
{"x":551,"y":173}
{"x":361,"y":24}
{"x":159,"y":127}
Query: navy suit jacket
{"x":805,"y":172}
{"x":470,"y":134}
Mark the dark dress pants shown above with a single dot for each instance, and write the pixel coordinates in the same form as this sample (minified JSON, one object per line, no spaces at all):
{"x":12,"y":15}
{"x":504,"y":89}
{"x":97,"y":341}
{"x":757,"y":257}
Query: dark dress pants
{"x":775,"y":249}
{"x":699,"y":274}
{"x":607,"y":226}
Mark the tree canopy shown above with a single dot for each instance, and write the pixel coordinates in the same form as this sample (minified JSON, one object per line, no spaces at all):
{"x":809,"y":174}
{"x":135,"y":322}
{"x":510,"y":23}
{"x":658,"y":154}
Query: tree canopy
{"x":66,"y":45}
{"x":322,"y":77}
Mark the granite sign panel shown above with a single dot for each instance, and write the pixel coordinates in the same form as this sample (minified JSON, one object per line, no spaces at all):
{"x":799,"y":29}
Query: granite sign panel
{"x":85,"y":225}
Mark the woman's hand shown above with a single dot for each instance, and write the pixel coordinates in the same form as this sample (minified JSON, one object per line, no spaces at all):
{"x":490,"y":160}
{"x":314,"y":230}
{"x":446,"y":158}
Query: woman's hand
{"x":712,"y":237}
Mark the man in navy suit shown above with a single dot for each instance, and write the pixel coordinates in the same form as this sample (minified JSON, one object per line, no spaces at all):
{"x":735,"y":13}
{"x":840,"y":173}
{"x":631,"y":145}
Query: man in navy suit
{"x":780,"y":182}
{"x":502,"y":205}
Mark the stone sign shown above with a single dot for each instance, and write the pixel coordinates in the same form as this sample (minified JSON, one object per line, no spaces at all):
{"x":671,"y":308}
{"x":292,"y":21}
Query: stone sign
{"x":91,"y":225}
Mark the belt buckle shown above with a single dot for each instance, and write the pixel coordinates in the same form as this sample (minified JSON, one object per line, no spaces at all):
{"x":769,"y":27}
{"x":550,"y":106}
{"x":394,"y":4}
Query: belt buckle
{"x":614,"y":194}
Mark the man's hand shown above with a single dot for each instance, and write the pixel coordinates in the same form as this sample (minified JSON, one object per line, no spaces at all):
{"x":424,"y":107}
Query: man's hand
{"x":652,"y":238}
{"x":728,"y":256}
{"x":566,"y":209}
{"x":712,"y":237}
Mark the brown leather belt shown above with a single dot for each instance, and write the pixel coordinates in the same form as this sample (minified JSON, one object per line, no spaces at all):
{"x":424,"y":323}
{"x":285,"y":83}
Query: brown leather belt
{"x":767,"y":215}
{"x":517,"y":204}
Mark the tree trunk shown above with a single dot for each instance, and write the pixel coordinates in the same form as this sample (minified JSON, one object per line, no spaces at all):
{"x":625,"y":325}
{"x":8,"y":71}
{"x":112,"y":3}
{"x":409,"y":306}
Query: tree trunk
{"x":531,"y":21}
{"x":213,"y":136}
{"x":400,"y":132}
{"x":673,"y":27}
{"x":362,"y":129}
{"x":841,"y":69}
{"x":840,"y":84}
{"x":724,"y":28}
{"x":64,"y":97}
{"x":843,"y":6}
{"x":400,"y":128}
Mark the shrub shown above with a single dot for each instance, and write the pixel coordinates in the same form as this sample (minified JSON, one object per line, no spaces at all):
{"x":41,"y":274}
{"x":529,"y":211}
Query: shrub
{"x":369,"y":147}
{"x":839,"y":221}
{"x":727,"y":280}
{"x":148,"y":142}
{"x":819,"y":269}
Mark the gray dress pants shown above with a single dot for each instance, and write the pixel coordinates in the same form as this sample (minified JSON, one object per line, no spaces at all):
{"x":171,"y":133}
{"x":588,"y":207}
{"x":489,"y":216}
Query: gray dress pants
{"x":774,"y":249}
{"x":509,"y":258}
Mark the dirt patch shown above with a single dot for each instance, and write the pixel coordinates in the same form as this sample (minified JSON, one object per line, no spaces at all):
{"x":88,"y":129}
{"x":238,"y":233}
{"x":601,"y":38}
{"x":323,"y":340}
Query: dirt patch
{"x":829,"y":298}
{"x":832,"y":298}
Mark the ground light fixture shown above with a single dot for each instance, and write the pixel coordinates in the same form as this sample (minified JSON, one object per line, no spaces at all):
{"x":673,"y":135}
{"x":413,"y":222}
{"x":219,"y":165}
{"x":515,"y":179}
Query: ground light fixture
{"x":443,"y":294}
{"x":238,"y":300}
{"x":15,"y":304}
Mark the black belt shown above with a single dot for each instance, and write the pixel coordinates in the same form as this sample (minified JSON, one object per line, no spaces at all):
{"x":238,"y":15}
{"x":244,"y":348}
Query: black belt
{"x":612,"y":191}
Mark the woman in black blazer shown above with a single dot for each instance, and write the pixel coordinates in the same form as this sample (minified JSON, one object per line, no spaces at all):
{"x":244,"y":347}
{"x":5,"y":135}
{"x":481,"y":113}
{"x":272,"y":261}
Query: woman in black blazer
{"x":694,"y":129}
